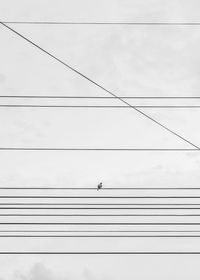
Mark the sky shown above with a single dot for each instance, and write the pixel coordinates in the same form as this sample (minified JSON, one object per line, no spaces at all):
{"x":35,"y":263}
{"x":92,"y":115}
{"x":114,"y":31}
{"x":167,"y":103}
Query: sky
{"x":128,"y":61}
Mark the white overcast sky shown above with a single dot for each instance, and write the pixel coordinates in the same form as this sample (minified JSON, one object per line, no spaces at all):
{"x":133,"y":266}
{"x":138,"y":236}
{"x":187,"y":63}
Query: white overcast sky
{"x":127,"y":60}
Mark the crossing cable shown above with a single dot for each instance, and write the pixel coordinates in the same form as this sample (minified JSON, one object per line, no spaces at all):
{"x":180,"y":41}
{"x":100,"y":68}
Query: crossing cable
{"x":99,"y":86}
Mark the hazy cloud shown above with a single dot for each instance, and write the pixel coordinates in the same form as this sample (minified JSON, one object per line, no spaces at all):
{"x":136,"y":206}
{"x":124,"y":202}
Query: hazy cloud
{"x":41,"y":272}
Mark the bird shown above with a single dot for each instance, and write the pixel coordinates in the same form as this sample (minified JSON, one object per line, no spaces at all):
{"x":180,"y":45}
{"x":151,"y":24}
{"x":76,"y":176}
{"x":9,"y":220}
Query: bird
{"x":100,"y":185}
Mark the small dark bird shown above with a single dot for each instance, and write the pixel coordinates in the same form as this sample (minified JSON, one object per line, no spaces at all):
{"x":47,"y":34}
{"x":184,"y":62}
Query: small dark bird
{"x":100,"y":185}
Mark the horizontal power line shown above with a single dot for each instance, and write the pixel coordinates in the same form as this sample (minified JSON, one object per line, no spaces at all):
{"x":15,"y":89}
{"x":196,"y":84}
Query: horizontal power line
{"x":101,"y":149}
{"x":99,"y":236}
{"x":101,"y":208}
{"x":102,"y":231}
{"x":100,"y":106}
{"x":99,"y":215}
{"x":103,"y":189}
{"x":102,"y":204}
{"x":97,"y":197}
{"x":176,"y":23}
{"x":96,"y":97}
{"x":101,"y":253}
{"x":100,"y":223}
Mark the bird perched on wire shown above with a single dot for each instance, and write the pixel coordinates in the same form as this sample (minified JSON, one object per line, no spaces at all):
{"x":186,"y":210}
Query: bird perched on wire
{"x":100,"y":185}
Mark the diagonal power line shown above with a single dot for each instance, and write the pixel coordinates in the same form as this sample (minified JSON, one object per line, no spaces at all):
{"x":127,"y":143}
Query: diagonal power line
{"x":99,"y":86}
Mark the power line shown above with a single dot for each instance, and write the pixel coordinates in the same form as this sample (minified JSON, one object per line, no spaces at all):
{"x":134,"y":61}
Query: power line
{"x":104,"y":23}
{"x":103,"y":189}
{"x":99,"y":236}
{"x":104,"y":208}
{"x":100,"y":149}
{"x":96,"y":97}
{"x":99,"y":86}
{"x":99,"y":215}
{"x":103,"y":231}
{"x":99,"y":223}
{"x":100,"y":204}
{"x":97,"y":197}
{"x":100,"y":253}
{"x":99,"y":106}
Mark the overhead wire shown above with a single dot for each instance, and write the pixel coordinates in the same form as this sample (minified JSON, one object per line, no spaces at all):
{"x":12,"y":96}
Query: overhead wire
{"x":95,"y":97}
{"x":175,"y":23}
{"x":99,"y":86}
{"x":101,"y":149}
{"x":99,"y":106}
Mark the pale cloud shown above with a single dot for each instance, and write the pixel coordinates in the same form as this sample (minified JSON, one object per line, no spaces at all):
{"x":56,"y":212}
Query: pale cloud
{"x":37,"y":272}
{"x":41,"y":272}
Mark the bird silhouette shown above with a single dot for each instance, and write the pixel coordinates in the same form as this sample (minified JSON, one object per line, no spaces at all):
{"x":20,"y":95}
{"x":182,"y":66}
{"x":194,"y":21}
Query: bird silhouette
{"x":100,"y":185}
